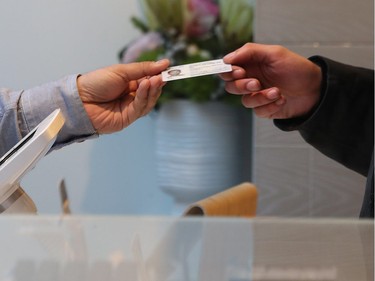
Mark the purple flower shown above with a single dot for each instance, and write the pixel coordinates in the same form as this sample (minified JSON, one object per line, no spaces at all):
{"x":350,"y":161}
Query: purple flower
{"x":203,"y":16}
{"x":147,"y":42}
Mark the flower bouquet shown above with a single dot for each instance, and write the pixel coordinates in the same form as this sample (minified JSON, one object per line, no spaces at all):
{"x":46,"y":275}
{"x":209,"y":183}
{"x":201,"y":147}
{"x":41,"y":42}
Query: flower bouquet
{"x":188,"y":31}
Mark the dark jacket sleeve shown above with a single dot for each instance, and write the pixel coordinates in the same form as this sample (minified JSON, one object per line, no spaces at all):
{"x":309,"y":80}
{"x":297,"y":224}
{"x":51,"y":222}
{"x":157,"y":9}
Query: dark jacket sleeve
{"x":342,"y":125}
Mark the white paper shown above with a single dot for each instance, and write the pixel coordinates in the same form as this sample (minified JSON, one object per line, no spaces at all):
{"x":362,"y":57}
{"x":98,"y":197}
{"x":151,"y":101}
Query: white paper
{"x":195,"y":69}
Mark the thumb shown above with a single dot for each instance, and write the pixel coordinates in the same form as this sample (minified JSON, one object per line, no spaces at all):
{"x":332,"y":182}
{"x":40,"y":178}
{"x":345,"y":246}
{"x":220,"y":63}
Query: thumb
{"x":138,"y":70}
{"x":248,"y":53}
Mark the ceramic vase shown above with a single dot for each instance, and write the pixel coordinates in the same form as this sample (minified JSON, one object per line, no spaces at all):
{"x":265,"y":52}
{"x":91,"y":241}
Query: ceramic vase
{"x":199,"y":150}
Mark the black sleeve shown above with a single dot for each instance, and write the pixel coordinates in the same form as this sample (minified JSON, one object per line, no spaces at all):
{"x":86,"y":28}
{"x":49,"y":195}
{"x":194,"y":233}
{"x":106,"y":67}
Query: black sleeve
{"x":342,"y":125}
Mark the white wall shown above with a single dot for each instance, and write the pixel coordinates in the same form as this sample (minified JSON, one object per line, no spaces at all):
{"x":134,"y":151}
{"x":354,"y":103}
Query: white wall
{"x":44,"y":40}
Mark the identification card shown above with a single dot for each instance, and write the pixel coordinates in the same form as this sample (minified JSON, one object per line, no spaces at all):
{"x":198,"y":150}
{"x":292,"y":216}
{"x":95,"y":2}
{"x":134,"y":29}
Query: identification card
{"x":195,"y":69}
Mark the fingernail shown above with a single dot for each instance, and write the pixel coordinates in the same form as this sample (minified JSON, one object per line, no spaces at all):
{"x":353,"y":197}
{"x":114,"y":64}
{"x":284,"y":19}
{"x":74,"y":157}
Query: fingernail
{"x":272,"y":94}
{"x":162,"y":61}
{"x":252,"y":86}
{"x":238,"y":73}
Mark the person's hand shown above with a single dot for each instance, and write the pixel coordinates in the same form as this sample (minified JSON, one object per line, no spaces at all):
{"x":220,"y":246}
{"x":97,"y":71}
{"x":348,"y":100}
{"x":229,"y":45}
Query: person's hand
{"x":115,"y":96}
{"x":274,"y":81}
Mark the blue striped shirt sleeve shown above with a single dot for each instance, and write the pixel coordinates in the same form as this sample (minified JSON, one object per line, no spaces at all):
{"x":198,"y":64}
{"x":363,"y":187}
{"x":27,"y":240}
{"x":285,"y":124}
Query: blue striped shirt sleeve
{"x":21,"y":111}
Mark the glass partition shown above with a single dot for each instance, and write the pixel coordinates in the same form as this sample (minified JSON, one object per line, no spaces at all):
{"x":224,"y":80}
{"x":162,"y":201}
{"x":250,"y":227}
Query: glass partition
{"x":187,"y":248}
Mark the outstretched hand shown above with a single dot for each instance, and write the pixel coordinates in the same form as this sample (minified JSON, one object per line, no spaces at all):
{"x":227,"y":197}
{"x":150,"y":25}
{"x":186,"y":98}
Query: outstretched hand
{"x":274,"y":81}
{"x":115,"y":96}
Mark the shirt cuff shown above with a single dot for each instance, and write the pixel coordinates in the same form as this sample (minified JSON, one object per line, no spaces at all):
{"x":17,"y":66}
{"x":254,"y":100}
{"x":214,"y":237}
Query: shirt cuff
{"x":37,"y":103}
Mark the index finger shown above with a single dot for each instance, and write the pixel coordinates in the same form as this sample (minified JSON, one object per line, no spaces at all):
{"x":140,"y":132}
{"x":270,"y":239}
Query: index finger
{"x":237,"y":73}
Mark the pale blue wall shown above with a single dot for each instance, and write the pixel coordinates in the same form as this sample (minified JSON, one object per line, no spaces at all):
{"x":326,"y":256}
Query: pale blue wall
{"x":44,"y":40}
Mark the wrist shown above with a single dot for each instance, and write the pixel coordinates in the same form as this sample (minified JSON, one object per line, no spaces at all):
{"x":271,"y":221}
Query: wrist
{"x":316,"y":88}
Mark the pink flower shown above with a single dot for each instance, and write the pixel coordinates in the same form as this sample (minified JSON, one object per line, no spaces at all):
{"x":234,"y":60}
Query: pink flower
{"x":203,"y":15}
{"x":148,"y":42}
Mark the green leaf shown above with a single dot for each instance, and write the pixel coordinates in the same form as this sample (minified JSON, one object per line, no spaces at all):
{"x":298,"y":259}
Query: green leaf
{"x":165,"y":14}
{"x":139,"y":24}
{"x":152,"y":55}
{"x":236,"y":22}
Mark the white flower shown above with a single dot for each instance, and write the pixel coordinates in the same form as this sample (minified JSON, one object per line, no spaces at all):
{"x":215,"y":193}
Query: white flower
{"x":192,"y":50}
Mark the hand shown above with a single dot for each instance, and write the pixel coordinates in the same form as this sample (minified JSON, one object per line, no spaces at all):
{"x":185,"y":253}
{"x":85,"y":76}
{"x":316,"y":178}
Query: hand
{"x":115,"y":96}
{"x":274,"y":81}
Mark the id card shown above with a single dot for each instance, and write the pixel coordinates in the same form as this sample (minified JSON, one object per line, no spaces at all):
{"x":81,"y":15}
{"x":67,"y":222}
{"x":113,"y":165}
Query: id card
{"x":195,"y":69}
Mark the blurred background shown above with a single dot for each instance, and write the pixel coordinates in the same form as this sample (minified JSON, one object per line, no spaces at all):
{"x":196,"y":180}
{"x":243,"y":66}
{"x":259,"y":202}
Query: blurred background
{"x":115,"y":174}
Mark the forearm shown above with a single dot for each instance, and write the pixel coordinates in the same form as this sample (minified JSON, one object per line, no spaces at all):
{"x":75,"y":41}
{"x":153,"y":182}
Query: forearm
{"x":21,"y":111}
